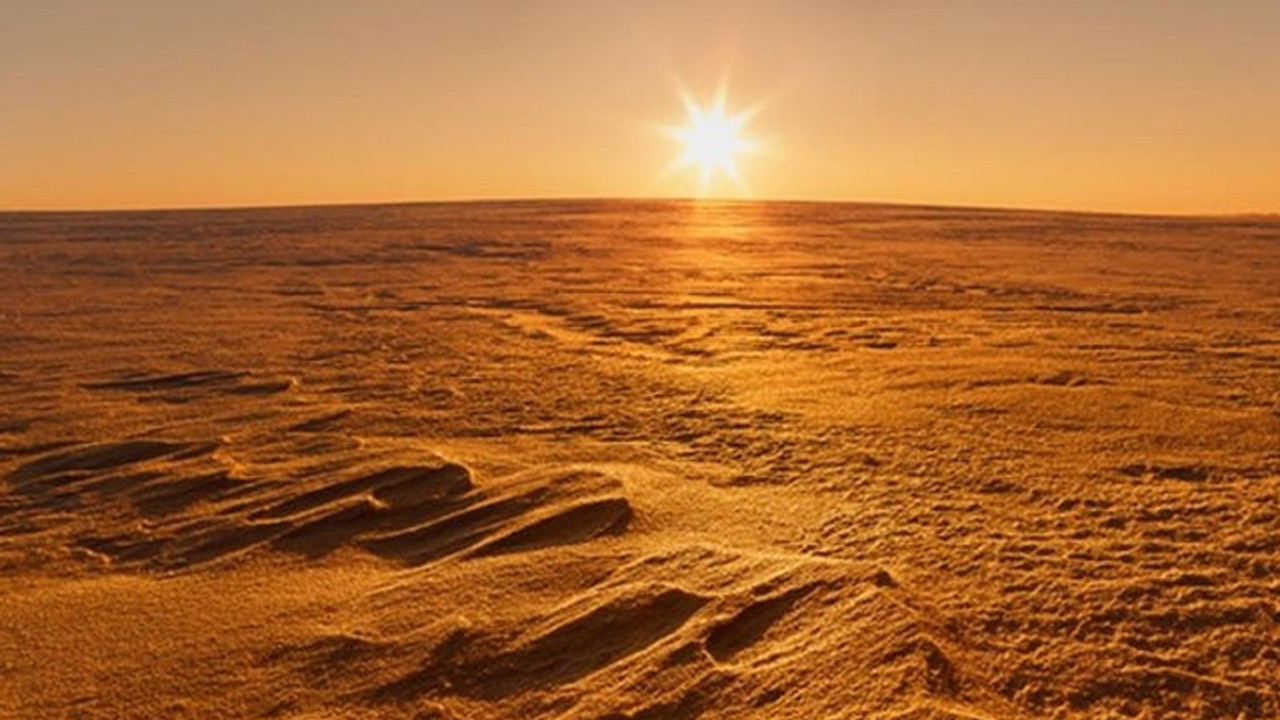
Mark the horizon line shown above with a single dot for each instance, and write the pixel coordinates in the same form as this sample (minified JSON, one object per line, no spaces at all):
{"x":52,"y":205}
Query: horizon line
{"x":688,"y":199}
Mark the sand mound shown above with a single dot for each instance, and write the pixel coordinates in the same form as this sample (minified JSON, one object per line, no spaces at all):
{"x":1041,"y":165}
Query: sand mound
{"x":410,"y":513}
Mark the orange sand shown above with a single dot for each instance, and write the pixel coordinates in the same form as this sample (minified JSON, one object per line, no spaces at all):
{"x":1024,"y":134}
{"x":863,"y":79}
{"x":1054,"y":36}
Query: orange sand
{"x":639,"y":460}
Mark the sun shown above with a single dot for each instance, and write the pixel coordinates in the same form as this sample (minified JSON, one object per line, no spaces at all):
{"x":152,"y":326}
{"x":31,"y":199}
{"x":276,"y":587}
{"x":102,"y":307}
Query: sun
{"x":713,"y":140}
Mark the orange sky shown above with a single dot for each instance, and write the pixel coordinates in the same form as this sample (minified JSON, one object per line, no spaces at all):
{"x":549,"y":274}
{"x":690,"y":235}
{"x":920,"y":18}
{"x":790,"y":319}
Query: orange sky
{"x":1146,"y":105}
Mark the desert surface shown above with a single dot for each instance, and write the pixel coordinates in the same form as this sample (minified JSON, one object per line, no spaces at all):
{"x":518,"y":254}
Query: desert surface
{"x":646,"y":460}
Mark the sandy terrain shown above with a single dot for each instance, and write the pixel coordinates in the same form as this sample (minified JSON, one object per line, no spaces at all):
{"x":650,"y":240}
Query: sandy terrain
{"x":639,"y":460}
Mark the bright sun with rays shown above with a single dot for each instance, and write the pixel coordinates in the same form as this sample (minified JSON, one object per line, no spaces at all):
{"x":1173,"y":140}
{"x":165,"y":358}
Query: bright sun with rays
{"x":713,"y":140}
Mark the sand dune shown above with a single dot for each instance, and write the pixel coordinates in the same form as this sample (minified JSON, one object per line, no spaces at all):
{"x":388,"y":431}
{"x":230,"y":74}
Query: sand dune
{"x":639,"y":460}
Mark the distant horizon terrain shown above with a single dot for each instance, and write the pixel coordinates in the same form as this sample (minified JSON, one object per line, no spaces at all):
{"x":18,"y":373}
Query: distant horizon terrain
{"x":640,"y":199}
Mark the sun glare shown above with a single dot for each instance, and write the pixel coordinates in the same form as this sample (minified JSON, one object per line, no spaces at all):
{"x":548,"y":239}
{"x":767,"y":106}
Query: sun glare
{"x":713,"y":140}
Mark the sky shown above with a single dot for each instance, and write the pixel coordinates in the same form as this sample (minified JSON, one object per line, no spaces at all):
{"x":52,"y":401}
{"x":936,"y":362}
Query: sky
{"x":1140,"y":105}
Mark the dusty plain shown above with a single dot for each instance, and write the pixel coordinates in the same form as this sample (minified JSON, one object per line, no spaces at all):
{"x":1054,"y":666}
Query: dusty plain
{"x":639,"y":460}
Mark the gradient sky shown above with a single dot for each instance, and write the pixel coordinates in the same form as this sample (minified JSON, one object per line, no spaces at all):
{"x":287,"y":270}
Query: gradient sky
{"x":1145,"y":105}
